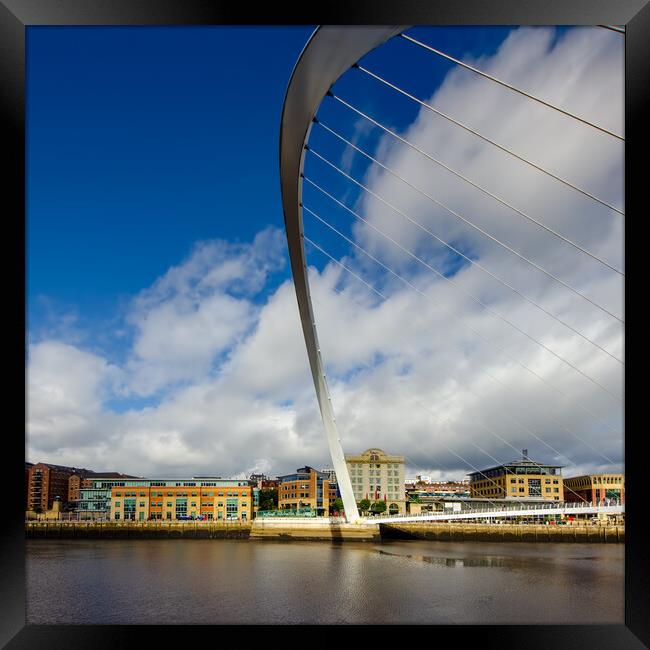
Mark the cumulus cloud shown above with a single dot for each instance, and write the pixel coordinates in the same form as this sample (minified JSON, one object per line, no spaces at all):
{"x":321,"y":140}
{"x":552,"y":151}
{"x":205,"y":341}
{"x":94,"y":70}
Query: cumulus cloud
{"x":221,"y":362}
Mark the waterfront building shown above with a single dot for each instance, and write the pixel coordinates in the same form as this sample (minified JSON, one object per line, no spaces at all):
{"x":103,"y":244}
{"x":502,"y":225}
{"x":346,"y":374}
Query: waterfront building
{"x":378,"y":476}
{"x":592,"y":488}
{"x":306,"y":488}
{"x":523,"y":478}
{"x":94,"y":500}
{"x":47,"y":481}
{"x":28,"y":466}
{"x":209,"y":498}
{"x":85,"y":480}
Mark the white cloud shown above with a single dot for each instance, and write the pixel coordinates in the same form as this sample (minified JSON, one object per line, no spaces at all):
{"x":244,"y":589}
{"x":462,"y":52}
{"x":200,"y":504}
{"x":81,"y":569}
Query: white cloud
{"x":229,"y":370}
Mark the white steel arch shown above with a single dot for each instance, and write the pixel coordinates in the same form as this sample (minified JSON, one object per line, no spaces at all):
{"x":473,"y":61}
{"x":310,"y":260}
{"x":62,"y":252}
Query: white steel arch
{"x":329,"y":52}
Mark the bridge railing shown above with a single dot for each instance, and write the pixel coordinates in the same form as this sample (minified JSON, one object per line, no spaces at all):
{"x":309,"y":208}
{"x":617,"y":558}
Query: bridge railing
{"x":511,"y":507}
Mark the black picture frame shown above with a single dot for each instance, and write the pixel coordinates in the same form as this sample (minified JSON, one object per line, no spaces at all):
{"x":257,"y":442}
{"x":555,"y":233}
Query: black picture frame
{"x":17,"y":15}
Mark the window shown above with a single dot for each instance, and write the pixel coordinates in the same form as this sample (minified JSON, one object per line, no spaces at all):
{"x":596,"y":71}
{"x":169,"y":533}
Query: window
{"x":117,"y":504}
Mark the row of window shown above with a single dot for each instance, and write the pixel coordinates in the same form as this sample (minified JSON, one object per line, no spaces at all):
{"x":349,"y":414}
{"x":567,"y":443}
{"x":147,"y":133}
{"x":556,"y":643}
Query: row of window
{"x":182,"y":494}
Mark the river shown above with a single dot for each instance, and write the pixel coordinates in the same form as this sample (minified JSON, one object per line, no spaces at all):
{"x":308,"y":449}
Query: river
{"x":193,"y":581}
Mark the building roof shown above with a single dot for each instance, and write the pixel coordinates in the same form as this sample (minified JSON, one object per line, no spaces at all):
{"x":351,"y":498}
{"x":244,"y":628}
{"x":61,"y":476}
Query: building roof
{"x":525,"y":461}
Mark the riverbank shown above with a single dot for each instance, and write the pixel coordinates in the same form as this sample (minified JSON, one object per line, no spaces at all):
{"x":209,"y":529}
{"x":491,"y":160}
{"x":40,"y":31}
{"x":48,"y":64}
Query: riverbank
{"x":323,"y":530}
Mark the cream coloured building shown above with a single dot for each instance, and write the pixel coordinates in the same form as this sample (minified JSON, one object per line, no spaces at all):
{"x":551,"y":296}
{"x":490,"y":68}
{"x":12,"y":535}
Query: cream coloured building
{"x":378,"y":476}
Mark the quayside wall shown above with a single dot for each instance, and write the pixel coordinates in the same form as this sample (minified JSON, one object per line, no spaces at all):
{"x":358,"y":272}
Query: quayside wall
{"x":321,"y":529}
{"x":438,"y":531}
{"x":135,"y":530}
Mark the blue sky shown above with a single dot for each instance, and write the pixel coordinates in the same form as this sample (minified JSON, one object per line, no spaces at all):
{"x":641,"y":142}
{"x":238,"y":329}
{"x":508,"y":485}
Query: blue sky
{"x":142,"y":141}
{"x":160,"y":311}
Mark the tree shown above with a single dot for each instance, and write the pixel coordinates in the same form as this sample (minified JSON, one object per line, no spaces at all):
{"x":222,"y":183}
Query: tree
{"x":268,"y":499}
{"x":337,"y":506}
{"x":364,"y":505}
{"x":378,"y":507}
{"x":38,"y":510}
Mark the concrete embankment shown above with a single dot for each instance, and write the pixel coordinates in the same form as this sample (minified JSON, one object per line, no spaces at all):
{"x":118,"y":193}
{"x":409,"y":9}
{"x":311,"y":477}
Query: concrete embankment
{"x":259,"y":529}
{"x":503,"y":533}
{"x":134,"y":530}
{"x":324,"y":530}
{"x":313,"y":529}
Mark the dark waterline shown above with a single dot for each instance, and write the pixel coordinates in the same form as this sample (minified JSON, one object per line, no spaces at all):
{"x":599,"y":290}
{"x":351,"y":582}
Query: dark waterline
{"x":234,"y":581}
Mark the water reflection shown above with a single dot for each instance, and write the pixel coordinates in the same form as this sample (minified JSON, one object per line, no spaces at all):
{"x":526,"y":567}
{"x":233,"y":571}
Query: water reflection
{"x":228,"y":581}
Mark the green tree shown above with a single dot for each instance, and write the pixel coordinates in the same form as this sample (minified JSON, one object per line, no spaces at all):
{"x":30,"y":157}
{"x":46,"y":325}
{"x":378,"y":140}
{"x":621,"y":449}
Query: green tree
{"x":38,"y":510}
{"x":364,"y":505}
{"x":268,"y":499}
{"x":378,"y":507}
{"x":337,"y":506}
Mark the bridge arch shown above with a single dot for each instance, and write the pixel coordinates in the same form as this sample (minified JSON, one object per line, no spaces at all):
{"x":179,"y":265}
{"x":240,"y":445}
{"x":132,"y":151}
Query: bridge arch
{"x":329,"y":52}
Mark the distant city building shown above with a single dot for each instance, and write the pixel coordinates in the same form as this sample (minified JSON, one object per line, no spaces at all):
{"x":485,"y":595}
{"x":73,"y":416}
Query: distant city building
{"x":593,"y":488}
{"x":270,"y":484}
{"x":377,"y":476}
{"x":517,"y":479}
{"x":330,"y":473}
{"x":209,"y":498}
{"x":306,"y":488}
{"x":258,"y":479}
{"x":441,"y":489}
{"x":423,"y":478}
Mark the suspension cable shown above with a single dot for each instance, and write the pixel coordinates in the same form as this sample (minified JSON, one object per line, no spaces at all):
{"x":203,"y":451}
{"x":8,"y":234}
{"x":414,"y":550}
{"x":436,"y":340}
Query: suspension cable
{"x":559,"y":320}
{"x":420,"y":403}
{"x":472,"y":329}
{"x":486,"y":139}
{"x":467,"y":293}
{"x":484,"y":426}
{"x":473,"y":184}
{"x":511,"y":87}
{"x":603,"y":309}
{"x":382,"y":296}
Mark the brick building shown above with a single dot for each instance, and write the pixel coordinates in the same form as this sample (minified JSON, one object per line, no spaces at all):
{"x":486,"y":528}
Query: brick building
{"x":46,"y":481}
{"x":306,"y":488}
{"x":594,"y":488}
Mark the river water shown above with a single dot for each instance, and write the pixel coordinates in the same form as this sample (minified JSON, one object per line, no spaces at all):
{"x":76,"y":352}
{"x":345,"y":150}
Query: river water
{"x":238,"y":581}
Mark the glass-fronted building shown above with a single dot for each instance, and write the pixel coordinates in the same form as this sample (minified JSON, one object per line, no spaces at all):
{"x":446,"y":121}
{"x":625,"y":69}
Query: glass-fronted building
{"x":523,"y":478}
